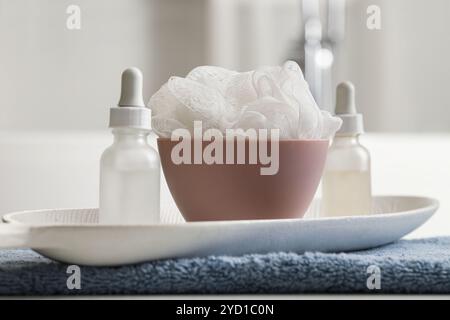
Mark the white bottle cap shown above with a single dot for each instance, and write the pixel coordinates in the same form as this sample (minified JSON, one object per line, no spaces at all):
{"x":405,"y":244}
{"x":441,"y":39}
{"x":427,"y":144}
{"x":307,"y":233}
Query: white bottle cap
{"x":352,"y":122}
{"x":131,"y":111}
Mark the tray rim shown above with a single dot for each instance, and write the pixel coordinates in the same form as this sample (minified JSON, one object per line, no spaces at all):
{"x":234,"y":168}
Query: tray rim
{"x":432,"y":207}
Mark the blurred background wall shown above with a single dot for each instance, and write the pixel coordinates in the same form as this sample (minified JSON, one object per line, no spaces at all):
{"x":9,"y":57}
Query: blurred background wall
{"x":52,"y":78}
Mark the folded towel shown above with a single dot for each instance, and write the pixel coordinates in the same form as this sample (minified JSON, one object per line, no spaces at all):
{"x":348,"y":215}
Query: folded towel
{"x":408,"y":266}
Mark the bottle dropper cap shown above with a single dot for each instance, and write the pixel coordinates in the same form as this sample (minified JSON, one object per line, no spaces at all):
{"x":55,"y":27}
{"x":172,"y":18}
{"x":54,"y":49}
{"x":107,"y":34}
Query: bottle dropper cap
{"x":131,"y":111}
{"x":352,"y":122}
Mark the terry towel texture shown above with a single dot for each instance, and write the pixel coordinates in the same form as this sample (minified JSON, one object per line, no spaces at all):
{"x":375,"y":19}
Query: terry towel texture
{"x":408,"y":266}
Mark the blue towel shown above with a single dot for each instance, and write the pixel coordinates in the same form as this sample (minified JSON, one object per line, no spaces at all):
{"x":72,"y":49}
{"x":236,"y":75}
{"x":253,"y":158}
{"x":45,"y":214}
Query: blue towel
{"x":408,"y":266}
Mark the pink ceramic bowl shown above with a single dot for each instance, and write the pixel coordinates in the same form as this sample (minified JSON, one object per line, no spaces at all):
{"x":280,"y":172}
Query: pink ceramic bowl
{"x":239,"y":192}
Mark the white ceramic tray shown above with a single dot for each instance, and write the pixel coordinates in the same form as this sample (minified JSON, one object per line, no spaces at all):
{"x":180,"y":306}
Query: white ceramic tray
{"x":73,"y":235}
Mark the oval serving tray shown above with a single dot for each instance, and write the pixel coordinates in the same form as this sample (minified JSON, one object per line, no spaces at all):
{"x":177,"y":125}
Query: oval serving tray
{"x":73,"y":235}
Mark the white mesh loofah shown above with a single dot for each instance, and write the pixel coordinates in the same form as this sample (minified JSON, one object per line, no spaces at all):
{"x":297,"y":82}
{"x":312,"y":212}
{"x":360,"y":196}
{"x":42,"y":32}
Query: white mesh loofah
{"x":267,"y":98}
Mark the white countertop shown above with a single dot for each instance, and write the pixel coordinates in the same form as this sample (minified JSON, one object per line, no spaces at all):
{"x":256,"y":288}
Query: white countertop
{"x":414,"y":164}
{"x":60,"y":169}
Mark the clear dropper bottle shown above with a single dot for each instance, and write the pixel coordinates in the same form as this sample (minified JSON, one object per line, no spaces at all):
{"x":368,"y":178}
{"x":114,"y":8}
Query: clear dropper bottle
{"x":130,"y":167}
{"x":346,"y":183}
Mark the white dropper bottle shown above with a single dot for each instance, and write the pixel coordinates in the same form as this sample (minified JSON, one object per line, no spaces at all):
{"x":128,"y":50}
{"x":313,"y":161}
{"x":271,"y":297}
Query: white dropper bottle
{"x":130,"y":167}
{"x":346,"y":183}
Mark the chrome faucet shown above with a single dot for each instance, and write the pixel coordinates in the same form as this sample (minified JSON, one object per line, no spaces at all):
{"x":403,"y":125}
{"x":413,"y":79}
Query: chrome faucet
{"x":320,"y":38}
